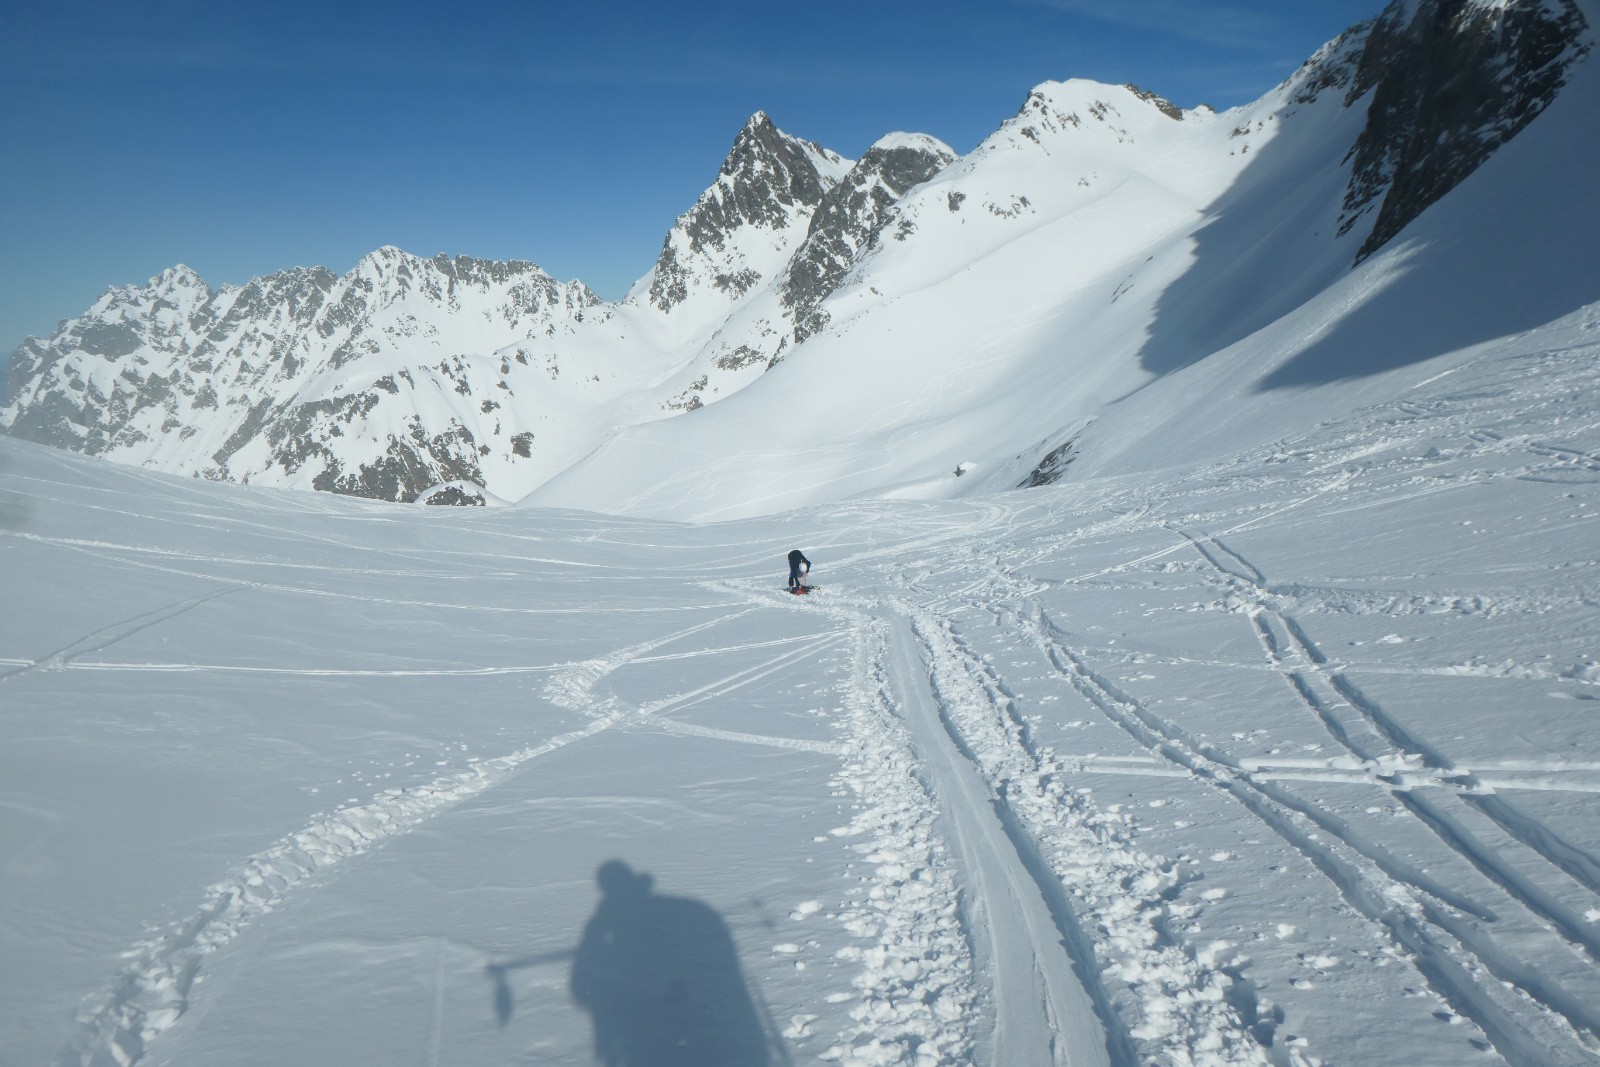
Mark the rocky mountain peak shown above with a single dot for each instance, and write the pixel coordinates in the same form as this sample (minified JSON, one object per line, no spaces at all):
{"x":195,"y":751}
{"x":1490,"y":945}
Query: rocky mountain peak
{"x":851,"y":218}
{"x":179,"y":278}
{"x":1331,"y":68}
{"x":768,"y":180}
{"x":757,"y":125}
{"x":1080,"y":108}
{"x":1450,"y":81}
{"x":785,"y":168}
{"x":1157,"y":101}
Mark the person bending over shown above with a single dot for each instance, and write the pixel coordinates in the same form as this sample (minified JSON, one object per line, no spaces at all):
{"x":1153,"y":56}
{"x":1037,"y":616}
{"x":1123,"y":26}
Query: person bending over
{"x":799,"y":567}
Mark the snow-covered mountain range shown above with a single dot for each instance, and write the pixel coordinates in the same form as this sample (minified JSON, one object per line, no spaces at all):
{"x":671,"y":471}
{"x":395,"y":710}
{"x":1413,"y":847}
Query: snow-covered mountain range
{"x":1264,"y":736}
{"x":1101,"y":239}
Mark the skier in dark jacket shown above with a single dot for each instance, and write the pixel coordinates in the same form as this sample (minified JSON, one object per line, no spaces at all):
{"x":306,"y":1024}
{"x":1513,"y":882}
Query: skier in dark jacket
{"x":797,"y":560}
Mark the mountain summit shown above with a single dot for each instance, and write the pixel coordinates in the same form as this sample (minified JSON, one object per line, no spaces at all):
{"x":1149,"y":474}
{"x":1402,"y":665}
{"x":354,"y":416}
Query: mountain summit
{"x":740,"y":229}
{"x":966,"y":313}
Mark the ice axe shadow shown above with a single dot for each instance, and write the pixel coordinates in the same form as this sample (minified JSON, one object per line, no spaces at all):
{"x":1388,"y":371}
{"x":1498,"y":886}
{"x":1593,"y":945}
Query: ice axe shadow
{"x":505,"y":1001}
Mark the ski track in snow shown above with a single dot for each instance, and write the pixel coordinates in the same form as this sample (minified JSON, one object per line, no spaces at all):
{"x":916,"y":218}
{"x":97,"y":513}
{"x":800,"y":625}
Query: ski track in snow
{"x":1526,"y":1014}
{"x":1376,"y":885}
{"x":152,"y":992}
{"x":1001,"y":915}
{"x":1483,"y":828}
{"x":917,"y":989}
{"x":1049,"y":1005}
{"x":1115,"y":890}
{"x":99,"y":550}
{"x":1038,"y":863}
{"x":1174,"y":1002}
{"x":826,"y":748}
{"x":109,"y":635}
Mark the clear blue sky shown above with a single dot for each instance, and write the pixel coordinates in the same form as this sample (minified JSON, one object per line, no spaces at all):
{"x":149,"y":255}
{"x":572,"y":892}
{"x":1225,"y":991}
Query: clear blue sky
{"x":245,"y":138}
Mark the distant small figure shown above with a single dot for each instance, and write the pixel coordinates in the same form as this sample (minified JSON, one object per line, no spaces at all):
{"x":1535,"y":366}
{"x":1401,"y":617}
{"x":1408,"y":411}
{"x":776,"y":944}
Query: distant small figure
{"x":799,"y":567}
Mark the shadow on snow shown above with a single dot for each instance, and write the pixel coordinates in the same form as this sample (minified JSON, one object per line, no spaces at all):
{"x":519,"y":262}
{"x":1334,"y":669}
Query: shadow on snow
{"x":660,"y":979}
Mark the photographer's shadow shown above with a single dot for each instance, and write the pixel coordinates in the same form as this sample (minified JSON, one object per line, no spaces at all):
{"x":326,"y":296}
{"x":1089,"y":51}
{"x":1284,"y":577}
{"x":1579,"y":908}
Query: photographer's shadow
{"x":660,"y":978}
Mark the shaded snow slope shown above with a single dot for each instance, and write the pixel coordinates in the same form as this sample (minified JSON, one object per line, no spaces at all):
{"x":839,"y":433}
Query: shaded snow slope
{"x":1283,"y":754}
{"x":1506,"y":253}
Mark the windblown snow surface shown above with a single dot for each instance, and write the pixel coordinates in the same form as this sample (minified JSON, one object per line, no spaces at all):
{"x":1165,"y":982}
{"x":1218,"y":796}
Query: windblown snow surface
{"x":1287,"y":756}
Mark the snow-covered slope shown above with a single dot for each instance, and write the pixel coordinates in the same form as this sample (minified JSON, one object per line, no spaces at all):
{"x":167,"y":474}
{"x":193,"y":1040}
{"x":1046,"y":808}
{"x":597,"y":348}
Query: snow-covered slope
{"x":406,"y":373}
{"x":1015,"y":304}
{"x":1277,"y":754}
{"x":1103,"y":239}
{"x":1506,"y":253}
{"x":909,"y":324}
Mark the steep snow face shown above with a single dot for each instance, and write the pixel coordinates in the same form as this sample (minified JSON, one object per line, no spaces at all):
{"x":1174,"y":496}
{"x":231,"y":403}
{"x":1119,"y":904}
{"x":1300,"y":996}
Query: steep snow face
{"x":1006,"y":299}
{"x":1504,"y":255}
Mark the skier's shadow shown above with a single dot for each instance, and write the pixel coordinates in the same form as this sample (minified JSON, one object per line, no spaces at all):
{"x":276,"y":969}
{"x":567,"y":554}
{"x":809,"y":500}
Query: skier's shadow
{"x":660,"y":978}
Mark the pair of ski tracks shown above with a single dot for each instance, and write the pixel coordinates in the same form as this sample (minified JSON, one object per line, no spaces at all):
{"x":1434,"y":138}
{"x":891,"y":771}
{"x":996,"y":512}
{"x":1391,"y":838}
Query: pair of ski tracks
{"x":1049,"y":1006}
{"x":1040,"y":871}
{"x":1482,"y":828}
{"x":1432,"y":923}
{"x":152,"y":991}
{"x":1154,"y":999}
{"x":1042,"y":995}
{"x":107,"y":636}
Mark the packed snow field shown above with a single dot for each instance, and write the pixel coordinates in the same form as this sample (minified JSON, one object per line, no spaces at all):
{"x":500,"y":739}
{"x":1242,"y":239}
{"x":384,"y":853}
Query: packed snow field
{"x":1289,"y":757}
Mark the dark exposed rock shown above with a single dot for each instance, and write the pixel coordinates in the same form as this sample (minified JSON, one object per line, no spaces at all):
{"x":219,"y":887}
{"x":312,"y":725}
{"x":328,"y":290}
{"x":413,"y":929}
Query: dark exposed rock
{"x":1162,"y":104}
{"x":454,"y":496}
{"x":738,"y":282}
{"x":849,"y":221}
{"x":742,"y":356}
{"x":406,"y":468}
{"x":1451,"y":81}
{"x":1052,"y":465}
{"x":1332,"y":68}
{"x":767,"y":176}
{"x":243,"y":433}
{"x":689,"y":399}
